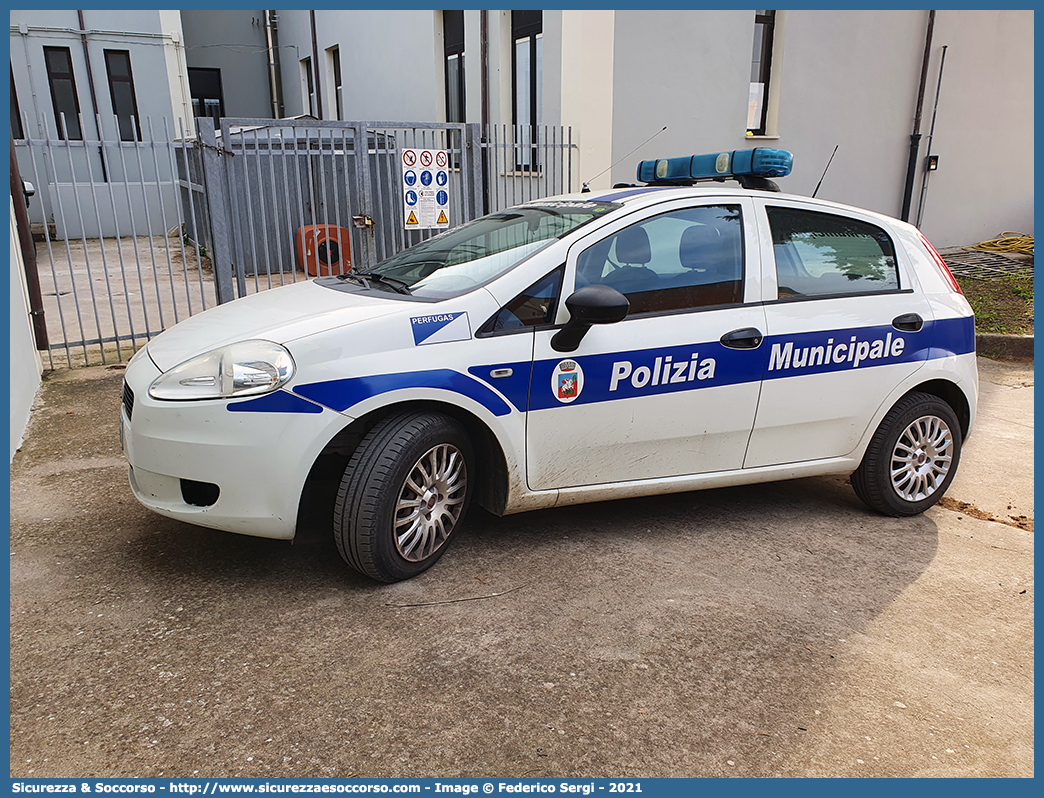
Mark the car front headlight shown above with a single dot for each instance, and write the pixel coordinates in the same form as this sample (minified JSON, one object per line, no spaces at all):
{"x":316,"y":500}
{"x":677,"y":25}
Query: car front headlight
{"x":247,"y":368}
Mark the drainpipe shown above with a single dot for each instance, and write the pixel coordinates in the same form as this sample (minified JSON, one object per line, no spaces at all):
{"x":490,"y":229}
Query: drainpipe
{"x":315,"y":68}
{"x":275,"y":79}
{"x":87,"y":59}
{"x":931,"y":135}
{"x":915,"y":137}
{"x":484,"y":75}
{"x":25,"y":240}
{"x":186,"y":103}
{"x":90,"y":85}
{"x":23,"y":29}
{"x":484,"y":50}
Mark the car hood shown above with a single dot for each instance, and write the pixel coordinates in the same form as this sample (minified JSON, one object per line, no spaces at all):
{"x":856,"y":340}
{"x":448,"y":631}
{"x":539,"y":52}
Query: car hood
{"x":279,"y":314}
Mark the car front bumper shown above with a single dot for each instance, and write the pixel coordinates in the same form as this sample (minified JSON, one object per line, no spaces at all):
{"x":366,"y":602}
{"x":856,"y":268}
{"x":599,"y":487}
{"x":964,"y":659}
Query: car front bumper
{"x":259,"y":461}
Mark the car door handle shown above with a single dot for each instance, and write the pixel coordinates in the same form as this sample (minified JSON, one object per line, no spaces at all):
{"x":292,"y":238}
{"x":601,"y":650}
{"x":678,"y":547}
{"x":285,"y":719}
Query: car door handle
{"x":908,"y":322}
{"x":744,"y":338}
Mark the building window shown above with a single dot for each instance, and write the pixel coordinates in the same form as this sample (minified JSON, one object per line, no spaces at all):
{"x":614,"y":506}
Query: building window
{"x":308,"y":88}
{"x":333,"y":71}
{"x":63,"y":91}
{"x":526,"y":80}
{"x":760,"y":69}
{"x":16,"y":114}
{"x":121,"y":88}
{"x":205,"y":88}
{"x":453,"y":36}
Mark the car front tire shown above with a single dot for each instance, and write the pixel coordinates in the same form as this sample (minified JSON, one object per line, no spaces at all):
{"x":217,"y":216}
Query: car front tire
{"x":912,"y":457}
{"x":403,"y":495}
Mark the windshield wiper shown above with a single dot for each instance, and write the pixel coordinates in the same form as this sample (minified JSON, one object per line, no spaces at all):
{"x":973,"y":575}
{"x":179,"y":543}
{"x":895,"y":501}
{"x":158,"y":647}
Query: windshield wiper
{"x":354,"y":277}
{"x":391,"y":282}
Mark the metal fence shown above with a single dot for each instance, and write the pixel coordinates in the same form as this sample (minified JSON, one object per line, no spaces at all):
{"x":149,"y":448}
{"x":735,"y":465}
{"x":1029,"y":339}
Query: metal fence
{"x":141,"y":234}
{"x":526,"y":163}
{"x":278,"y":179}
{"x":115,"y":268}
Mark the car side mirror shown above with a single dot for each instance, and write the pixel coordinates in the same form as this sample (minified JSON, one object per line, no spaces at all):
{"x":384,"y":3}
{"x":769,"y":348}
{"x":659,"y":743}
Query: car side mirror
{"x":592,"y":304}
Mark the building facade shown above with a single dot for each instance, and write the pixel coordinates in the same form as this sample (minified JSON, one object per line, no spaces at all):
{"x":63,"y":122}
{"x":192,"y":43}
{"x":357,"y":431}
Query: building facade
{"x":805,"y":81}
{"x":97,"y":63}
{"x":631,"y":84}
{"x":227,"y":57}
{"x":97,"y":76}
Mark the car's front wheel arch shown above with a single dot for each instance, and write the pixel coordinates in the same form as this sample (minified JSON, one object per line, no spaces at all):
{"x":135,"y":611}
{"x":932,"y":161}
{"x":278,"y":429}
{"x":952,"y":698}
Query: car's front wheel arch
{"x":490,"y":489}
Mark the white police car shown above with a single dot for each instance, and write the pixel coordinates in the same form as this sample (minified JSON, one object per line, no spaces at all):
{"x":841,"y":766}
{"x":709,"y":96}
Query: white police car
{"x":596,"y":346}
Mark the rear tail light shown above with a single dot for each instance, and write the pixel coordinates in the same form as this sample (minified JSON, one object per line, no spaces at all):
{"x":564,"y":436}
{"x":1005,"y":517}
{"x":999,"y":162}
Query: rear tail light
{"x":941,"y":265}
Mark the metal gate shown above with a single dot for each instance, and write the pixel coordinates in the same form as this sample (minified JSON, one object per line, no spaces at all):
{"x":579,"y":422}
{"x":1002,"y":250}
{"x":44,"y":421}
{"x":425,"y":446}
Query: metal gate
{"x":269,"y":181}
{"x":115,"y":268}
{"x":141,"y":234}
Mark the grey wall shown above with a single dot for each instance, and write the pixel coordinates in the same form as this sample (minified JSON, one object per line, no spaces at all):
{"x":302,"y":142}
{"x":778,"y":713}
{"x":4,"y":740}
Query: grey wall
{"x":984,"y":131}
{"x":850,"y":79}
{"x":139,"y":32}
{"x":689,"y":70}
{"x":295,"y":43}
{"x":390,"y":67}
{"x":153,"y":39}
{"x":234,"y":42}
{"x":846,"y":78}
{"x":473,"y":64}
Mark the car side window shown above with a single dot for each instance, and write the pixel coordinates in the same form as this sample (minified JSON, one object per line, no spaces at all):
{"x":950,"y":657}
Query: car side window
{"x":675,"y":261}
{"x":822,"y":254}
{"x":534,"y":306}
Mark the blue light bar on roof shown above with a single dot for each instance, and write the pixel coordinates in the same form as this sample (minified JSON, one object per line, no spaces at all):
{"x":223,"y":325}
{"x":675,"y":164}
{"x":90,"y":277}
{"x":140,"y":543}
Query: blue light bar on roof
{"x":759,"y":162}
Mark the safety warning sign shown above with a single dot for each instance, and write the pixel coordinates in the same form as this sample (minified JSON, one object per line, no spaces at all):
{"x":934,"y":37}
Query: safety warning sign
{"x":425,"y":189}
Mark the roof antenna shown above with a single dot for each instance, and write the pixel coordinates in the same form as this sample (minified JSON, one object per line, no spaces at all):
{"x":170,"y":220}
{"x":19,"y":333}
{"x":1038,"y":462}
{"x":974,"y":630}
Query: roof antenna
{"x":587,"y":190}
{"x":825,"y":170}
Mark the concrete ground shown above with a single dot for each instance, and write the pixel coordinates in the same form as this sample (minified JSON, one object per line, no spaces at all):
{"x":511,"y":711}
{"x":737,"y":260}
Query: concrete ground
{"x":778,"y":629}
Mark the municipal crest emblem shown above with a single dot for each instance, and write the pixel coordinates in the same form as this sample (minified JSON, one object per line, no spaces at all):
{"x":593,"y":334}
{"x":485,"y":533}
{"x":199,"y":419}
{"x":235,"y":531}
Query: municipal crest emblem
{"x":567,"y":386}
{"x":567,"y":381}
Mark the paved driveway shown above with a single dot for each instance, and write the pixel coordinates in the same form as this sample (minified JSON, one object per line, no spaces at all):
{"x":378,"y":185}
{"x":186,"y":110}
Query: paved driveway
{"x":774,"y":629}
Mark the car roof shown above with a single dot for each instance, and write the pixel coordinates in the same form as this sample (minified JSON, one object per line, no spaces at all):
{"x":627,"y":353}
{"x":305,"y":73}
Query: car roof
{"x":634,"y":197}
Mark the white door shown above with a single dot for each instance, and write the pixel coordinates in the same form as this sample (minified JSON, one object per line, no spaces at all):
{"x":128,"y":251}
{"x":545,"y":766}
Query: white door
{"x":657,"y":394}
{"x":845,"y":325}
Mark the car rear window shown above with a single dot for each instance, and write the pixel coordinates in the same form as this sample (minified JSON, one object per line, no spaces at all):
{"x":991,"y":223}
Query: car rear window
{"x":823,"y":254}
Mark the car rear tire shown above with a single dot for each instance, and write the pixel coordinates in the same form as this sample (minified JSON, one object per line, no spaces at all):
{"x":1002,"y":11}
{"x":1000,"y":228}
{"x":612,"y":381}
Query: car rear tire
{"x":403,"y":495}
{"x":912,"y":457}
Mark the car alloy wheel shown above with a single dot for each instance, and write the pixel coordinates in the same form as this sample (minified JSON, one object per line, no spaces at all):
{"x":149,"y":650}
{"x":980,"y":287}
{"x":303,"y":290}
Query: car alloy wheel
{"x":430,"y":502}
{"x":921,"y":458}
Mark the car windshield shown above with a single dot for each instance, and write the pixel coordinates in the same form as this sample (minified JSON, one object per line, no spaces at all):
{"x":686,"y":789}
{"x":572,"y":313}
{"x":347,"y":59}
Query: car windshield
{"x":458,"y":260}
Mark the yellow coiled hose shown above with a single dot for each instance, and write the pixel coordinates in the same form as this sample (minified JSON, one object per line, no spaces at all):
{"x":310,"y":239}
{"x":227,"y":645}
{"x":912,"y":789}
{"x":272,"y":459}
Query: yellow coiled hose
{"x":1007,"y":242}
